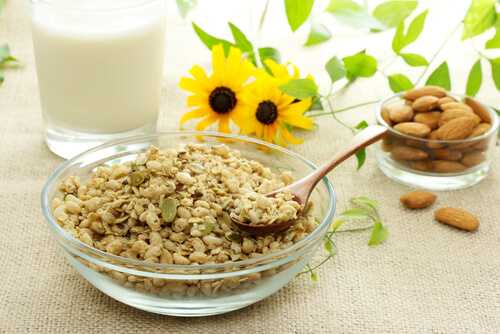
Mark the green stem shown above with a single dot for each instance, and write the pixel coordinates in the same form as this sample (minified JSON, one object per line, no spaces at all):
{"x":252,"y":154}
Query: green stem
{"x":441,"y":47}
{"x":336,"y":118}
{"x":389,"y":63}
{"x":263,"y":16}
{"x":479,"y":53}
{"x":310,"y":269}
{"x":343,"y":109}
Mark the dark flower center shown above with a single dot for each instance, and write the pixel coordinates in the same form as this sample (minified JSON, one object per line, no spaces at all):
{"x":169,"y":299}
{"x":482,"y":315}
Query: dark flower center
{"x":267,"y":112}
{"x":222,"y":100}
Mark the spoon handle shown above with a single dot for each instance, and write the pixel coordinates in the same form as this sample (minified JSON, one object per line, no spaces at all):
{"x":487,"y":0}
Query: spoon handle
{"x":364,"y":138}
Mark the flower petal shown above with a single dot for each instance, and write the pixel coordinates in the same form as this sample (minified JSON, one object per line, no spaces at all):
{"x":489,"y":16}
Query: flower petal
{"x":218,"y":60}
{"x":191,"y":85}
{"x":197,"y":113}
{"x":298,"y":121}
{"x":278,"y":70}
{"x":288,"y":137}
{"x":224,"y":125}
{"x":207,"y":121}
{"x":197,"y":100}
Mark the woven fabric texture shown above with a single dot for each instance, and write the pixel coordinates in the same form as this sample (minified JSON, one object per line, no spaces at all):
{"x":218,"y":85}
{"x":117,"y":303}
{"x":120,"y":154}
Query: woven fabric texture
{"x":427,"y":277}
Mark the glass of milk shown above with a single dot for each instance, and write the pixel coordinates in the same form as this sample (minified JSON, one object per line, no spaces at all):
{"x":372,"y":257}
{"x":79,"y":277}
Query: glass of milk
{"x":99,"y":66}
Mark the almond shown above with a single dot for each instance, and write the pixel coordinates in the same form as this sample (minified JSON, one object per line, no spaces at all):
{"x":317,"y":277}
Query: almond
{"x":418,"y":199}
{"x":432,"y":144}
{"x":446,"y":99}
{"x":455,"y":105}
{"x":386,"y":145}
{"x":415,"y":93}
{"x":385,"y":115}
{"x":450,"y":114}
{"x":473,"y":158}
{"x":400,"y":113}
{"x":446,"y":154}
{"x":458,"y":218}
{"x":482,"y":145}
{"x":431,"y":119}
{"x":414,"y":143}
{"x":480,"y":129}
{"x":458,"y":128}
{"x":479,"y":109}
{"x":421,"y":165}
{"x":425,"y":103}
{"x":444,"y":166}
{"x":408,"y":153}
{"x":413,"y":129}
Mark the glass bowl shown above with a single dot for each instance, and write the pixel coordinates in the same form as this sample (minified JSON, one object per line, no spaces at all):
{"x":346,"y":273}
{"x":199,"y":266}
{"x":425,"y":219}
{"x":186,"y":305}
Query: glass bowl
{"x":435,"y":164}
{"x":189,"y":290}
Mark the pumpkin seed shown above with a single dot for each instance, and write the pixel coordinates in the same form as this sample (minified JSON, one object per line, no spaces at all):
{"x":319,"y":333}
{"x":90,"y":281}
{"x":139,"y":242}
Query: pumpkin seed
{"x":137,"y":178}
{"x":206,"y":228}
{"x":168,"y":207}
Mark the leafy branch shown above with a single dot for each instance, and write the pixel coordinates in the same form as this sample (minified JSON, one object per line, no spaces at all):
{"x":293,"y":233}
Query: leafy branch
{"x":363,"y":210}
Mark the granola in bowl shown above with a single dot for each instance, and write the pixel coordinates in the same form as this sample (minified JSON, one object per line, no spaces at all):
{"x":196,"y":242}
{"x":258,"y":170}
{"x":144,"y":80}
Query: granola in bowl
{"x":172,"y":206}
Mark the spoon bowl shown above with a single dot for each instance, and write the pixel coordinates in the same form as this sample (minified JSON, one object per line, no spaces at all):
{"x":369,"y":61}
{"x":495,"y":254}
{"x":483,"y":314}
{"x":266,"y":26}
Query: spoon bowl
{"x":302,"y":188}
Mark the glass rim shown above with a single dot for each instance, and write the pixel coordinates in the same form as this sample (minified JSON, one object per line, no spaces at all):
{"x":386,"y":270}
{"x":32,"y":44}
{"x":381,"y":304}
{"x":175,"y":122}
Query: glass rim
{"x":487,"y":134}
{"x":120,"y":261}
{"x":138,"y":4}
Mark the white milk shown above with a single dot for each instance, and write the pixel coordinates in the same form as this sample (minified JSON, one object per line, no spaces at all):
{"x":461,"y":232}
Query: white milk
{"x":98,"y":72}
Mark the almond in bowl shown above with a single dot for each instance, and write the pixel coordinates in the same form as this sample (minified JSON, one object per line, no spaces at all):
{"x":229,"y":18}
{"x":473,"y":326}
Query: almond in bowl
{"x":436,"y":140}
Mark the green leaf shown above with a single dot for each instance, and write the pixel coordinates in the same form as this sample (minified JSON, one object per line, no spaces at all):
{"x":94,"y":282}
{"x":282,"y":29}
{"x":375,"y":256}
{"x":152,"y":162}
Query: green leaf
{"x":440,"y":77}
{"x":337,"y":224}
{"x":365,"y":201}
{"x":5,"y":55}
{"x":356,"y":213}
{"x":316,"y":104}
{"x":353,"y":14}
{"x":360,"y":65}
{"x":2,"y":78}
{"x":494,"y":42}
{"x":415,"y":28}
{"x":360,"y":157}
{"x":338,"y":5}
{"x":211,"y":41}
{"x":398,"y":41}
{"x":184,"y":6}
{"x":241,"y":41}
{"x":313,"y":275}
{"x":474,"y":79}
{"x":379,"y":234}
{"x":297,"y":12}
{"x":335,"y":69}
{"x":391,"y":13}
{"x":319,"y":34}
{"x":361,"y":125}
{"x":399,"y":82}
{"x":329,"y":246}
{"x":414,"y":59}
{"x":361,"y":153}
{"x":300,"y":88}
{"x":402,"y":39}
{"x":269,"y":53}
{"x":480,"y":17}
{"x":495,"y":71}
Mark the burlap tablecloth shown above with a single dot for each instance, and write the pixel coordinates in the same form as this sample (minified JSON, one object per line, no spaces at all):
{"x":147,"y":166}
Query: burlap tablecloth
{"x":427,"y":278}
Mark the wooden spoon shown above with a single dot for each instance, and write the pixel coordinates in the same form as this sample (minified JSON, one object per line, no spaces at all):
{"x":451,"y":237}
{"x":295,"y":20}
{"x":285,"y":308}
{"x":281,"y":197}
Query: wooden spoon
{"x":302,"y":188}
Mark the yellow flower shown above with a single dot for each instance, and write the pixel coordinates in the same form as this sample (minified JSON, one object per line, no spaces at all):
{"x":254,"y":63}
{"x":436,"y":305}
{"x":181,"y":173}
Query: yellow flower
{"x":271,"y":112}
{"x":218,"y":98}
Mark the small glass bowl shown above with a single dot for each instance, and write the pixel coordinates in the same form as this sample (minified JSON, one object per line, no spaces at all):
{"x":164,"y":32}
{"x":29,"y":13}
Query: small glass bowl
{"x":446,"y":164}
{"x":189,"y":290}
